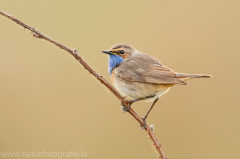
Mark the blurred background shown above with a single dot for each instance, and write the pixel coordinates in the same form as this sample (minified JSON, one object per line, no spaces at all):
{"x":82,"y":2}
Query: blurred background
{"x":49,"y":102}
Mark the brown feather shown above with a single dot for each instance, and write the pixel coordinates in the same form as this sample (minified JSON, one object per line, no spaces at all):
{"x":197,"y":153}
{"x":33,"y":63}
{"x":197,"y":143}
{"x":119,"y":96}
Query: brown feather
{"x":146,"y":69}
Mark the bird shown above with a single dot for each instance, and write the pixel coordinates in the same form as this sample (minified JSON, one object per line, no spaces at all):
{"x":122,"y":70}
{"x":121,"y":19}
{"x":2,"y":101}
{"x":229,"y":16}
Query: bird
{"x":142,"y":77}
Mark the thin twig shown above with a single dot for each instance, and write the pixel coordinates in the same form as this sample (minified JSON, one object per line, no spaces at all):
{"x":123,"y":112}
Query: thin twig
{"x":74,"y":53}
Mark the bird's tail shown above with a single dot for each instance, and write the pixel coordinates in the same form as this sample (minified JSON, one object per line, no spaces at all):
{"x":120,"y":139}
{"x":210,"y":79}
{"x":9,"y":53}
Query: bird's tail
{"x":184,"y":77}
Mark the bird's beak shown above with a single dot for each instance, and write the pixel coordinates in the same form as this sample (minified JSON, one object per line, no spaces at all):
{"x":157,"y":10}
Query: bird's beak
{"x":107,"y":52}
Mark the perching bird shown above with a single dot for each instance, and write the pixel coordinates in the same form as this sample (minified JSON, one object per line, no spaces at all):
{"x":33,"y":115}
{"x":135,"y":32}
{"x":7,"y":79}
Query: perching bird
{"x":140,"y":76}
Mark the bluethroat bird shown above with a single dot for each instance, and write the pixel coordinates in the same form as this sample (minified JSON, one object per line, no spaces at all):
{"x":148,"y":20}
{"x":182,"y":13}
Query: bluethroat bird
{"x":142,"y":77}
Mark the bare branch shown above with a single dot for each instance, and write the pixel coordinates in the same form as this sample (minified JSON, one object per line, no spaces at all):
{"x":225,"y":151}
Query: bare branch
{"x":74,"y":53}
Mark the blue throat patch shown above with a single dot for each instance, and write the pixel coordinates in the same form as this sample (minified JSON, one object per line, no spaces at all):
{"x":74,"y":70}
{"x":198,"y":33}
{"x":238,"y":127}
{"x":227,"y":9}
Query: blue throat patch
{"x":114,"y":60}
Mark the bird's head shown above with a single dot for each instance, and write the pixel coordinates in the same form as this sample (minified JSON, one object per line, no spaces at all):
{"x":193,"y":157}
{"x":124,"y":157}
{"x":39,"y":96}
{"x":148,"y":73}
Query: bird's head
{"x":124,"y":51}
{"x":117,"y":54}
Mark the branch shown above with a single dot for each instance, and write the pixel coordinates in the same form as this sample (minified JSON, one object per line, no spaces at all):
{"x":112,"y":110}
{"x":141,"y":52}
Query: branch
{"x":74,"y":53}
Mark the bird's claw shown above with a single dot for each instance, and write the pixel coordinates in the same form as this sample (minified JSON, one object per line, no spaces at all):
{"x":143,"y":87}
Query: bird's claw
{"x":124,"y":108}
{"x":145,"y":124}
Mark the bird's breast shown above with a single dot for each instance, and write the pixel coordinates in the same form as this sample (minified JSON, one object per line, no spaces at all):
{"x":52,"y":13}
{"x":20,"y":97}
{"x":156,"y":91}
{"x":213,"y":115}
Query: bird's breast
{"x":112,"y":78}
{"x":137,"y":90}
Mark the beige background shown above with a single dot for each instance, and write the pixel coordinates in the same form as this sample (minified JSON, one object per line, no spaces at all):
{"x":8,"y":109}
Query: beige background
{"x":49,"y":102}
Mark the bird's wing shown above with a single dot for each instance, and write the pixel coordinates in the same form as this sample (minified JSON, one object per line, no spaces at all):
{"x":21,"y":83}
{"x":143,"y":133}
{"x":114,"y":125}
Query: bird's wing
{"x":146,"y":69}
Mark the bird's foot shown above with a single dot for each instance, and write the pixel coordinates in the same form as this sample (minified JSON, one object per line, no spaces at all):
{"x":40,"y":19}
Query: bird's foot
{"x":145,"y":124}
{"x":124,"y":108}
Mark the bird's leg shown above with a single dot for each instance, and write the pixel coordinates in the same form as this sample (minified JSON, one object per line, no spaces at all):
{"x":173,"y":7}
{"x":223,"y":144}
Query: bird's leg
{"x":145,"y":117}
{"x":132,"y":101}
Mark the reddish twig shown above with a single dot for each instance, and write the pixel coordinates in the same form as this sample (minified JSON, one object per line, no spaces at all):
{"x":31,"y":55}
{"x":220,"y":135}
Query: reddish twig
{"x":74,"y":53}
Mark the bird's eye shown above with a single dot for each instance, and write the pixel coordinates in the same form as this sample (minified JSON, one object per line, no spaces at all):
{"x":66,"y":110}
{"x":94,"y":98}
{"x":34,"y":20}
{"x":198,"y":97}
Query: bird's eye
{"x":122,"y":52}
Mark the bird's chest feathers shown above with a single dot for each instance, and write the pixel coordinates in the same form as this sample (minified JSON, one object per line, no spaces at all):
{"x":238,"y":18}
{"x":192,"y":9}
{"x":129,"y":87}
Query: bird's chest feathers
{"x":112,"y":78}
{"x":114,"y":60}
